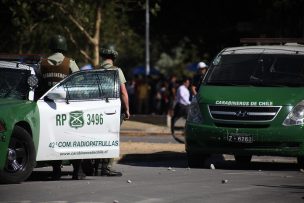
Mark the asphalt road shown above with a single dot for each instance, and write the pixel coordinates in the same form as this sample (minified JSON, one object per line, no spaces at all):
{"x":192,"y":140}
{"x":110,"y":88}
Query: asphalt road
{"x":153,"y":178}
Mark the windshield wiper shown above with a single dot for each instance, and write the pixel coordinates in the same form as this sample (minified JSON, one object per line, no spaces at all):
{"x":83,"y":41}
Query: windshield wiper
{"x":222,"y":83}
{"x":253,"y":78}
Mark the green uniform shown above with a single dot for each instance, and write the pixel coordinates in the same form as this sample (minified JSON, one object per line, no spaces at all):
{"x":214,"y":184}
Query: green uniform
{"x":57,"y":58}
{"x":122,"y":78}
{"x":107,"y":163}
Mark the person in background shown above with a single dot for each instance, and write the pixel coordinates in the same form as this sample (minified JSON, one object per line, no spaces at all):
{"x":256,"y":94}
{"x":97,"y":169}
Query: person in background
{"x":182,"y":102}
{"x":131,"y":88}
{"x":53,"y":69}
{"x":108,"y":56}
{"x":143,"y":92}
{"x":198,"y":77}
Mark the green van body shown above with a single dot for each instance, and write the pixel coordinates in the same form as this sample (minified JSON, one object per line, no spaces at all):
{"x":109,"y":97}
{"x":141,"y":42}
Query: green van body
{"x":17,"y":113}
{"x":244,"y":118}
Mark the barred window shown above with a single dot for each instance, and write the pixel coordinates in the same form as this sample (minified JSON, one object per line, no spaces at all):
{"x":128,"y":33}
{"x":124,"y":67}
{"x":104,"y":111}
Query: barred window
{"x":91,"y":85}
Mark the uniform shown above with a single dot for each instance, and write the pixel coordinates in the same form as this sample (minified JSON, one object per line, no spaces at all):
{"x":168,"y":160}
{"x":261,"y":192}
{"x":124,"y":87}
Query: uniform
{"x":109,"y":55}
{"x":107,"y":163}
{"x":55,"y":68}
{"x":52,"y":70}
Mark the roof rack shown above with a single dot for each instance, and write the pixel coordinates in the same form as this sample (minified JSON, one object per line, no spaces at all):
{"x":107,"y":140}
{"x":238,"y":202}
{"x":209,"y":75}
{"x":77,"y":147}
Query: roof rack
{"x":267,"y":41}
{"x":22,"y":58}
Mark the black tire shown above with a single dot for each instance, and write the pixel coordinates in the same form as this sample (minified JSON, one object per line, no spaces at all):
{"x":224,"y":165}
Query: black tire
{"x":21,"y":158}
{"x":196,"y":160}
{"x":243,"y":159}
{"x":178,"y":132}
{"x":300,"y":161}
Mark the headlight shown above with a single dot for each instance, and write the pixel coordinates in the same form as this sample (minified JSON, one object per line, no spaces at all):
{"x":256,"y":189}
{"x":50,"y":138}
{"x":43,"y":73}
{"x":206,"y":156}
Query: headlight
{"x":296,"y":116}
{"x":194,"y":115}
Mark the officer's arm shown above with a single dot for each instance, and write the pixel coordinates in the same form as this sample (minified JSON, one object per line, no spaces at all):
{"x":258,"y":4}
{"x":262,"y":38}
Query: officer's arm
{"x":73,"y":66}
{"x":125,"y":100}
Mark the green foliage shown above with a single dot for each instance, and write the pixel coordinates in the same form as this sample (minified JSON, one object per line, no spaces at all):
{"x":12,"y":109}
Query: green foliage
{"x":180,"y":33}
{"x":34,"y":21}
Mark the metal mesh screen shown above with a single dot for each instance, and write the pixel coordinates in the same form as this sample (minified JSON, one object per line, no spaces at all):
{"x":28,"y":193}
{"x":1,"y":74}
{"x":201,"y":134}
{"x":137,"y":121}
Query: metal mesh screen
{"x":90,"y":85}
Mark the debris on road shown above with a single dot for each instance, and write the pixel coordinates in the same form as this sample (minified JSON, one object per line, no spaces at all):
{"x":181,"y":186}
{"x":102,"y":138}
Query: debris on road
{"x":212,"y":166}
{"x":224,"y":181}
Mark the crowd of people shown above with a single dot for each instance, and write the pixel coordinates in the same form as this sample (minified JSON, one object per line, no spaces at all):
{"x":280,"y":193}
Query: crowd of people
{"x":157,"y":95}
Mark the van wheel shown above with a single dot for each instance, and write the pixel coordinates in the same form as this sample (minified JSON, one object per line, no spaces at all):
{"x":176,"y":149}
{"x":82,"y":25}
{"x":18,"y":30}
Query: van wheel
{"x":196,"y":160}
{"x":300,"y":160}
{"x":243,"y":159}
{"x":20,"y":160}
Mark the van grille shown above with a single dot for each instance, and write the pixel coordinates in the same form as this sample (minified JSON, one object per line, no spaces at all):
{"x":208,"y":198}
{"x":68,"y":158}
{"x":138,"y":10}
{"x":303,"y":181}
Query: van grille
{"x":243,"y":113}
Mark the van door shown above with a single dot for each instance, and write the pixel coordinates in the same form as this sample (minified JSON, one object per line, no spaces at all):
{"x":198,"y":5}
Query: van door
{"x":80,"y":117}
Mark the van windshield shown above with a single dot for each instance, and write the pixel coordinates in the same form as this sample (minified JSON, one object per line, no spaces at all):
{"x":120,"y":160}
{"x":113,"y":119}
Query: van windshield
{"x":257,"y":70}
{"x":13,"y":83}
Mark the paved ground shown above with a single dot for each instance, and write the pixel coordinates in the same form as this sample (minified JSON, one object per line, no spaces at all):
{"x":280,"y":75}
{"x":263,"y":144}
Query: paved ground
{"x":145,"y":127}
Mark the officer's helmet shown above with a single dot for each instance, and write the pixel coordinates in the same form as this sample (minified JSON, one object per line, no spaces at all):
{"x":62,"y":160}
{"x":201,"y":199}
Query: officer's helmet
{"x":108,"y":52}
{"x":58,"y":43}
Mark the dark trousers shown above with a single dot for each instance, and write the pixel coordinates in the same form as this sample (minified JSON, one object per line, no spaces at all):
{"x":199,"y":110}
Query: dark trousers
{"x":106,"y":164}
{"x":180,"y":110}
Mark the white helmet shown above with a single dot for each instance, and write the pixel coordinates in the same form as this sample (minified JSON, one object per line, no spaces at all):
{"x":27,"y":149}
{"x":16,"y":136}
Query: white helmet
{"x":201,"y":65}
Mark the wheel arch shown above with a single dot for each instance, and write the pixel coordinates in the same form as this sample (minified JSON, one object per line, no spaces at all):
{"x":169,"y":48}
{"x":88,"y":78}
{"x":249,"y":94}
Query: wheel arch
{"x":26,"y":126}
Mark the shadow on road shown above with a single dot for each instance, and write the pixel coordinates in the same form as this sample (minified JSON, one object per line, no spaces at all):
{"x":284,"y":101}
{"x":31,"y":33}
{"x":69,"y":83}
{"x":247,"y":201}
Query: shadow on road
{"x":179,"y":160}
{"x":159,"y":159}
{"x":46,"y":176}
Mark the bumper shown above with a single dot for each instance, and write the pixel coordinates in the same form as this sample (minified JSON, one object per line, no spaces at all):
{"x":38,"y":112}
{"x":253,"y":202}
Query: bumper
{"x":279,"y":141}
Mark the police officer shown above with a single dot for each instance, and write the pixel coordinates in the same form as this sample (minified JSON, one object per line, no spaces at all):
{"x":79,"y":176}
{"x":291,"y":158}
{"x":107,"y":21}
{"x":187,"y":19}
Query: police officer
{"x":53,"y":69}
{"x":108,"y":56}
{"x":199,"y":76}
{"x":57,"y":66}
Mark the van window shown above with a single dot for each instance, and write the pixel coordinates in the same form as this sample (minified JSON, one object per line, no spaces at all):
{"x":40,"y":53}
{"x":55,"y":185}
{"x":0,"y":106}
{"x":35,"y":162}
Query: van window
{"x":90,"y":85}
{"x":14,"y":84}
{"x":257,"y":69}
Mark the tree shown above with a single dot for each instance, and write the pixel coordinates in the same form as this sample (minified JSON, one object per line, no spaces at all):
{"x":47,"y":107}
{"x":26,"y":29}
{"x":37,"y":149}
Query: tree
{"x":88,"y":24}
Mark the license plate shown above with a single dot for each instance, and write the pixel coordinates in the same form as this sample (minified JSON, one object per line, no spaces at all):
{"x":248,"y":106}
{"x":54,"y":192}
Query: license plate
{"x":240,"y":138}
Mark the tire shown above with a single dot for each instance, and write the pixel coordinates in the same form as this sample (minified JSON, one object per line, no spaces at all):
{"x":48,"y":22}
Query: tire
{"x":300,"y":161}
{"x":243,"y":159}
{"x":196,"y":160}
{"x":21,"y":158}
{"x":178,"y":130}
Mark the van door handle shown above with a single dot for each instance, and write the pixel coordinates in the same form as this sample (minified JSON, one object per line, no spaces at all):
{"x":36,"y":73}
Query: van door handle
{"x":110,"y":113}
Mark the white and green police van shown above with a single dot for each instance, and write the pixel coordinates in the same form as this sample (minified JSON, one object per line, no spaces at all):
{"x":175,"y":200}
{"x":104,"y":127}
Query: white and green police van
{"x":79,"y":118}
{"x":251,"y":102}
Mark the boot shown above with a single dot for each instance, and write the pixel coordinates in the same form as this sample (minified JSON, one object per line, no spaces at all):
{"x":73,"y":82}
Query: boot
{"x":56,"y":174}
{"x":78,"y":174}
{"x":110,"y":172}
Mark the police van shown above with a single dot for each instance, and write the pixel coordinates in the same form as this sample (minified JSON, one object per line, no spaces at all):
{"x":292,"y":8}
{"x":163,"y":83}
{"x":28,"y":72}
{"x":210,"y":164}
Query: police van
{"x":251,"y":102}
{"x":79,"y":118}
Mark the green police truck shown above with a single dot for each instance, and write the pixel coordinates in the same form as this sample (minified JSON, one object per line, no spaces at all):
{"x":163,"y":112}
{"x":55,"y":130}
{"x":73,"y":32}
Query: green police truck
{"x":251,"y":102}
{"x":79,"y":118}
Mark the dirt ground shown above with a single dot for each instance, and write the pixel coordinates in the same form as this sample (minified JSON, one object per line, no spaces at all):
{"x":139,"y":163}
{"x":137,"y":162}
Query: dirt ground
{"x":146,"y":148}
